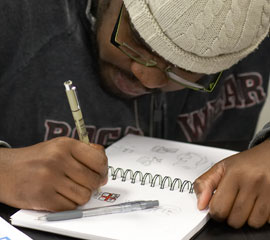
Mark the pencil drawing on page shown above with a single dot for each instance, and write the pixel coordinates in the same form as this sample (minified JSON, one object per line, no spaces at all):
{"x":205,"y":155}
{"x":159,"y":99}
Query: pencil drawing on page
{"x":162,"y":149}
{"x":191,"y":160}
{"x":168,"y":210}
{"x":124,"y":149}
{"x":149,"y":160}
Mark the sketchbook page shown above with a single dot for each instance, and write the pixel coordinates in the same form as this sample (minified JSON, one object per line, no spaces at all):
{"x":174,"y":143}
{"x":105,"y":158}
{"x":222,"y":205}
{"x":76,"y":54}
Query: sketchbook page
{"x":167,"y":158}
{"x":176,"y":218}
{"x":8,"y":232}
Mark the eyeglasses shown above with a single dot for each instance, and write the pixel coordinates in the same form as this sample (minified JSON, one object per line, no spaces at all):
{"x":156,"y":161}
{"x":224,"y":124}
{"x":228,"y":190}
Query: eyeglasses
{"x":171,"y":72}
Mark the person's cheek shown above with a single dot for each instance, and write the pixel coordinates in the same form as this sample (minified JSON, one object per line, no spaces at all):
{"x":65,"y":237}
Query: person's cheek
{"x":150,"y":77}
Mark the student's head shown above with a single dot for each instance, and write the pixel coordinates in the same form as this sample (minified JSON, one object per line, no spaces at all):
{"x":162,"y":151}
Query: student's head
{"x":149,"y":44}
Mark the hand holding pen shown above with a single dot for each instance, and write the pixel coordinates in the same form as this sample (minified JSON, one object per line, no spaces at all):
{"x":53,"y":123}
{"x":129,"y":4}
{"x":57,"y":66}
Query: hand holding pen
{"x":77,"y":115}
{"x":55,"y":175}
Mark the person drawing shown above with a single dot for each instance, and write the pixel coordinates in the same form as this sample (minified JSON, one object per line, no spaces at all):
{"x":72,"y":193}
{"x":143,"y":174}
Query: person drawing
{"x":194,"y":71}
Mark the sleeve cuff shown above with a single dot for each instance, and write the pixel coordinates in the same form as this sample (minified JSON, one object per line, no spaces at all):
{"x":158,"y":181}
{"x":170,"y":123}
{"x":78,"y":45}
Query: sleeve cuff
{"x":4,"y":144}
{"x":261,"y":136}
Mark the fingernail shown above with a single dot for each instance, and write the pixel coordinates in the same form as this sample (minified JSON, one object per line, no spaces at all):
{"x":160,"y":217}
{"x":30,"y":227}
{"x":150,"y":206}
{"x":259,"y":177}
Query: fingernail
{"x":96,"y":146}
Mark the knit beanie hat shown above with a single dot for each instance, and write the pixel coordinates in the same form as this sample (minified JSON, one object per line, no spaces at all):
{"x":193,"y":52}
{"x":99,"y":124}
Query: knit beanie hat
{"x":203,"y":36}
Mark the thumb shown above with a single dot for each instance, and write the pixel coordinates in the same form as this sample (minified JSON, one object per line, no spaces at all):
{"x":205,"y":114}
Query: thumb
{"x":205,"y":185}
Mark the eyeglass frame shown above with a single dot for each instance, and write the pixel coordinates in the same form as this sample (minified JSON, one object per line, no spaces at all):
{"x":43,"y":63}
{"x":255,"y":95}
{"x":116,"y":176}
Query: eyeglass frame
{"x":152,"y":63}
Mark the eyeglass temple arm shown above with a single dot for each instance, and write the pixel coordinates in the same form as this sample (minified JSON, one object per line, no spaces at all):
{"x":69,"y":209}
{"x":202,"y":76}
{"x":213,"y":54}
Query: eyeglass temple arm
{"x":184,"y":82}
{"x":115,"y":29}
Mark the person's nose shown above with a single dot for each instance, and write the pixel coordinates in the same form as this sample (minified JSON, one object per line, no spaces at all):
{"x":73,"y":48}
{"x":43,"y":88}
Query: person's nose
{"x":150,"y":77}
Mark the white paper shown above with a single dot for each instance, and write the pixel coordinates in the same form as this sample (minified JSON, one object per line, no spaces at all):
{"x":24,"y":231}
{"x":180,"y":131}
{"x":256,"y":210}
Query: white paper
{"x":8,"y":232}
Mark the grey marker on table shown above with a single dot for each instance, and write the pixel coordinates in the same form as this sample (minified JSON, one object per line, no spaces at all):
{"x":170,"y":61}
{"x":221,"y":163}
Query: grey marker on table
{"x":117,"y":208}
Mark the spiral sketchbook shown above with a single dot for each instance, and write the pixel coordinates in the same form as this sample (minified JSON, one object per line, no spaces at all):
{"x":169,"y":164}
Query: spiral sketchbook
{"x":142,"y":168}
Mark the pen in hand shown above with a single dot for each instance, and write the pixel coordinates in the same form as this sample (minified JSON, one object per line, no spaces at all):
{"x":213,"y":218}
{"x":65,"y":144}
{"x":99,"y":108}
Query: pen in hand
{"x":117,"y":208}
{"x":76,"y":111}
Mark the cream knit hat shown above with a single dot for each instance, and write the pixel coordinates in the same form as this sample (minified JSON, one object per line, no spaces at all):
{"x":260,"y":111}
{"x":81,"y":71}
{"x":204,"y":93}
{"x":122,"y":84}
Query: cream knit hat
{"x":204,"y":36}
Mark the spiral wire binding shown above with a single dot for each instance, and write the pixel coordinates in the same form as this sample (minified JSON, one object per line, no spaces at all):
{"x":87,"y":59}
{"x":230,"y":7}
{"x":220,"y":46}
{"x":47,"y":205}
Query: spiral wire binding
{"x":157,"y":179}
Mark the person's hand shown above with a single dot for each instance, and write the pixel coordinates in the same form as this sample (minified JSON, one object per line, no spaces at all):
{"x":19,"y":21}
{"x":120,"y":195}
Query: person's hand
{"x":56,"y":175}
{"x":238,"y":188}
